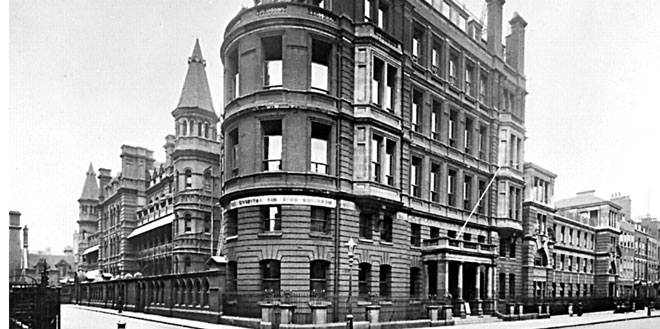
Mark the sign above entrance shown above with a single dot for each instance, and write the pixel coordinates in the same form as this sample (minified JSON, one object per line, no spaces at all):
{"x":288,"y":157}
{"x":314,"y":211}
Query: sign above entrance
{"x":283,"y":199}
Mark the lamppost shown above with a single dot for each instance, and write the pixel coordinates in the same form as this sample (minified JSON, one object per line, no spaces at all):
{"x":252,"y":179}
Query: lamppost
{"x":351,"y":244}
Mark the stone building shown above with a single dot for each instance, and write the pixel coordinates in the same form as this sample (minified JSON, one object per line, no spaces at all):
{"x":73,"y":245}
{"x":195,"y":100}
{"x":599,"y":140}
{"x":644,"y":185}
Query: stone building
{"x":157,"y":218}
{"x":380,"y":121}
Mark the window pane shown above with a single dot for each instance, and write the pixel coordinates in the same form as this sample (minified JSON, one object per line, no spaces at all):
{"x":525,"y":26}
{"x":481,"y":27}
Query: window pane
{"x":320,"y":76}
{"x":273,"y":73}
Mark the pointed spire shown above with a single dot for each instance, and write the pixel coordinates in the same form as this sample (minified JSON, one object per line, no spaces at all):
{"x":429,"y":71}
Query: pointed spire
{"x":91,"y":188}
{"x":196,"y":92}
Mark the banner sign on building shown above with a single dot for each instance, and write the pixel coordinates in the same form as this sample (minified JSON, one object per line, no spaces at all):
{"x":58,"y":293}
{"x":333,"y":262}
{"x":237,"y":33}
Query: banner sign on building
{"x":283,"y":199}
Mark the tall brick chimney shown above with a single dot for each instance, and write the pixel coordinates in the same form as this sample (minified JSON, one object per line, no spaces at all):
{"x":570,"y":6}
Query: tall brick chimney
{"x":515,"y":46}
{"x":494,"y":36}
{"x":15,"y":251}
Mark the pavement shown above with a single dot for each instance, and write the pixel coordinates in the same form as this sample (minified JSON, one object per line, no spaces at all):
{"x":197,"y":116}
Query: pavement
{"x":78,"y":316}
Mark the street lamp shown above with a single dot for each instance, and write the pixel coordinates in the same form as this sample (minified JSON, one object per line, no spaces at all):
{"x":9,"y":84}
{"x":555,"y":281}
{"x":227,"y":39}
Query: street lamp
{"x":351,"y":244}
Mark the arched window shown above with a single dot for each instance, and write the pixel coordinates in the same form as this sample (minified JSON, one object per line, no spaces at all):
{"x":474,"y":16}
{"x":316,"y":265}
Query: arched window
{"x":191,"y":128}
{"x":189,"y":292}
{"x":184,"y":128}
{"x":385,"y":281}
{"x":188,"y":175}
{"x":208,"y":180}
{"x":186,"y":264}
{"x":198,"y":293}
{"x":199,"y":129}
{"x":206,"y":130}
{"x":205,"y":293}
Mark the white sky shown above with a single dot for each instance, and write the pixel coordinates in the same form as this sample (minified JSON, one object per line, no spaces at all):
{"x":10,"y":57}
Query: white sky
{"x":86,"y":77}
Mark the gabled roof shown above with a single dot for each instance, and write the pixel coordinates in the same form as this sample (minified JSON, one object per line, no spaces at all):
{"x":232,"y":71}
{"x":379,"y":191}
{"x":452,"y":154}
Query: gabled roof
{"x":52,"y":260}
{"x":196,"y":92}
{"x":91,"y":188}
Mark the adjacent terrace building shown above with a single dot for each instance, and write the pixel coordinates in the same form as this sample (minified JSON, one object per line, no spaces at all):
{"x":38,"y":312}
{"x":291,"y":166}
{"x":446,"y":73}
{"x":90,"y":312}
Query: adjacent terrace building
{"x":571,"y":247}
{"x":158,"y":218}
{"x":382,"y":122}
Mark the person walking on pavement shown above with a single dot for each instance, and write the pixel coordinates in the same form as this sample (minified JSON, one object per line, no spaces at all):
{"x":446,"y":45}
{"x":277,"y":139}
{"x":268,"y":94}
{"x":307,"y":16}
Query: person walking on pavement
{"x":120,"y":303}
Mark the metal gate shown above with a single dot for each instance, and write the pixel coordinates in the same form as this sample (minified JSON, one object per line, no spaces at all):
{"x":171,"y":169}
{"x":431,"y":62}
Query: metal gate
{"x":32,"y":305}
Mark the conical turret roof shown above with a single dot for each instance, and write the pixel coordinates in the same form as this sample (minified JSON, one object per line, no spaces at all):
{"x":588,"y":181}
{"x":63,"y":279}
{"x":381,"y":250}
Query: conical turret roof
{"x":91,"y":188}
{"x":196,"y":92}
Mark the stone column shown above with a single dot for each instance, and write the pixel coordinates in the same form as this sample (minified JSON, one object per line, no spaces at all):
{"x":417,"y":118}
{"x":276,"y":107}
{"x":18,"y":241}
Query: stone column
{"x":478,"y":310}
{"x":460,"y":281}
{"x":446,"y":281}
{"x":425,"y":283}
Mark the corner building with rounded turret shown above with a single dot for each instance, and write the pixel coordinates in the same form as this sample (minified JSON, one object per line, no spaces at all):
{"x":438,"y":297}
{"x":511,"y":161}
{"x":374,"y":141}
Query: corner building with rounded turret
{"x":388,"y":122}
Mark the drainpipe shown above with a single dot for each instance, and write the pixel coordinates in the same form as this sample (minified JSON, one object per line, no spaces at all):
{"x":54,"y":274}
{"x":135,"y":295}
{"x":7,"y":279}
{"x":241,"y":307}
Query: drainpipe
{"x":338,"y":85}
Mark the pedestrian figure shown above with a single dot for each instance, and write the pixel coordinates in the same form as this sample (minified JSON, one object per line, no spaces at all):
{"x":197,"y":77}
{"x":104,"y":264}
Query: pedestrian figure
{"x":120,"y":303}
{"x":579,"y":309}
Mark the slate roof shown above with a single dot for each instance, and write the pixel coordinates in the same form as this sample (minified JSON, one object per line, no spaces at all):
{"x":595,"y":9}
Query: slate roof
{"x":196,"y":92}
{"x":582,"y":199}
{"x":52,"y":260}
{"x":91,"y":188}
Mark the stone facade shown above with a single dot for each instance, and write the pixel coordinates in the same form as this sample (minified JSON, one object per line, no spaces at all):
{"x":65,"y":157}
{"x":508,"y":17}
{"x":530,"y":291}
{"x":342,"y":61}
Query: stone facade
{"x":380,"y":121}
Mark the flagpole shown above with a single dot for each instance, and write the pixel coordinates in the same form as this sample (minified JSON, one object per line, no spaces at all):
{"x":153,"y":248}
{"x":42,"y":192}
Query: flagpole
{"x":460,"y":234}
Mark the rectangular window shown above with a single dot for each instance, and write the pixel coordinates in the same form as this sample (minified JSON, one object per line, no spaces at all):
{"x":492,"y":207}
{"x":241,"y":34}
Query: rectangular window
{"x":502,"y":289}
{"x":483,"y":85}
{"x":512,"y":250}
{"x":377,"y":81}
{"x":366,"y":226}
{"x":435,"y":58}
{"x":318,"y":270}
{"x":434,"y":186}
{"x":512,"y":284}
{"x":467,"y":135}
{"x":232,"y":222}
{"x":364,"y":280}
{"x":481,"y":209}
{"x":386,"y":230}
{"x":272,"y":132}
{"x":434,"y":233}
{"x":382,"y":16}
{"x":233,"y":66}
{"x":233,"y":146}
{"x":453,"y":69}
{"x":415,"y":172}
{"x":390,"y":88}
{"x":417,"y":106}
{"x":415,"y":234}
{"x":389,"y":163}
{"x":321,"y":53}
{"x":376,"y":158}
{"x":319,"y":148}
{"x":562,"y":260}
{"x":451,"y":188}
{"x":319,"y":219}
{"x":436,"y":114}
{"x":385,"y":281}
{"x":469,"y":76}
{"x":453,"y":122}
{"x":367,"y":9}
{"x":417,"y":45}
{"x":483,"y":141}
{"x":467,"y":193}
{"x":270,"y":275}
{"x":272,"y":218}
{"x":272,"y":47}
{"x":232,"y":276}
{"x":415,"y":281}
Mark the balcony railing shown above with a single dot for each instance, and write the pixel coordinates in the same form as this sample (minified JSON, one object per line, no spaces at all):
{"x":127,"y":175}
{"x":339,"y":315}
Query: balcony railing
{"x":443,"y":242}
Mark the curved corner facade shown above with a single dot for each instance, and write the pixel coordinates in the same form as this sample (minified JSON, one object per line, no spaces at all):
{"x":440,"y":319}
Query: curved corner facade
{"x":381,"y":121}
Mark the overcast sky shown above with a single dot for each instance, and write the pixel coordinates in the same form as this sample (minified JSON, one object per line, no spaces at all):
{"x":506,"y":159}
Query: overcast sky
{"x":86,"y":77}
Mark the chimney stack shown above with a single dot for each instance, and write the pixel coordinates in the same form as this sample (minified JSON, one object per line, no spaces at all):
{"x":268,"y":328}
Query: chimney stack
{"x":104,"y":179}
{"x":515,"y":46}
{"x":494,"y":31}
